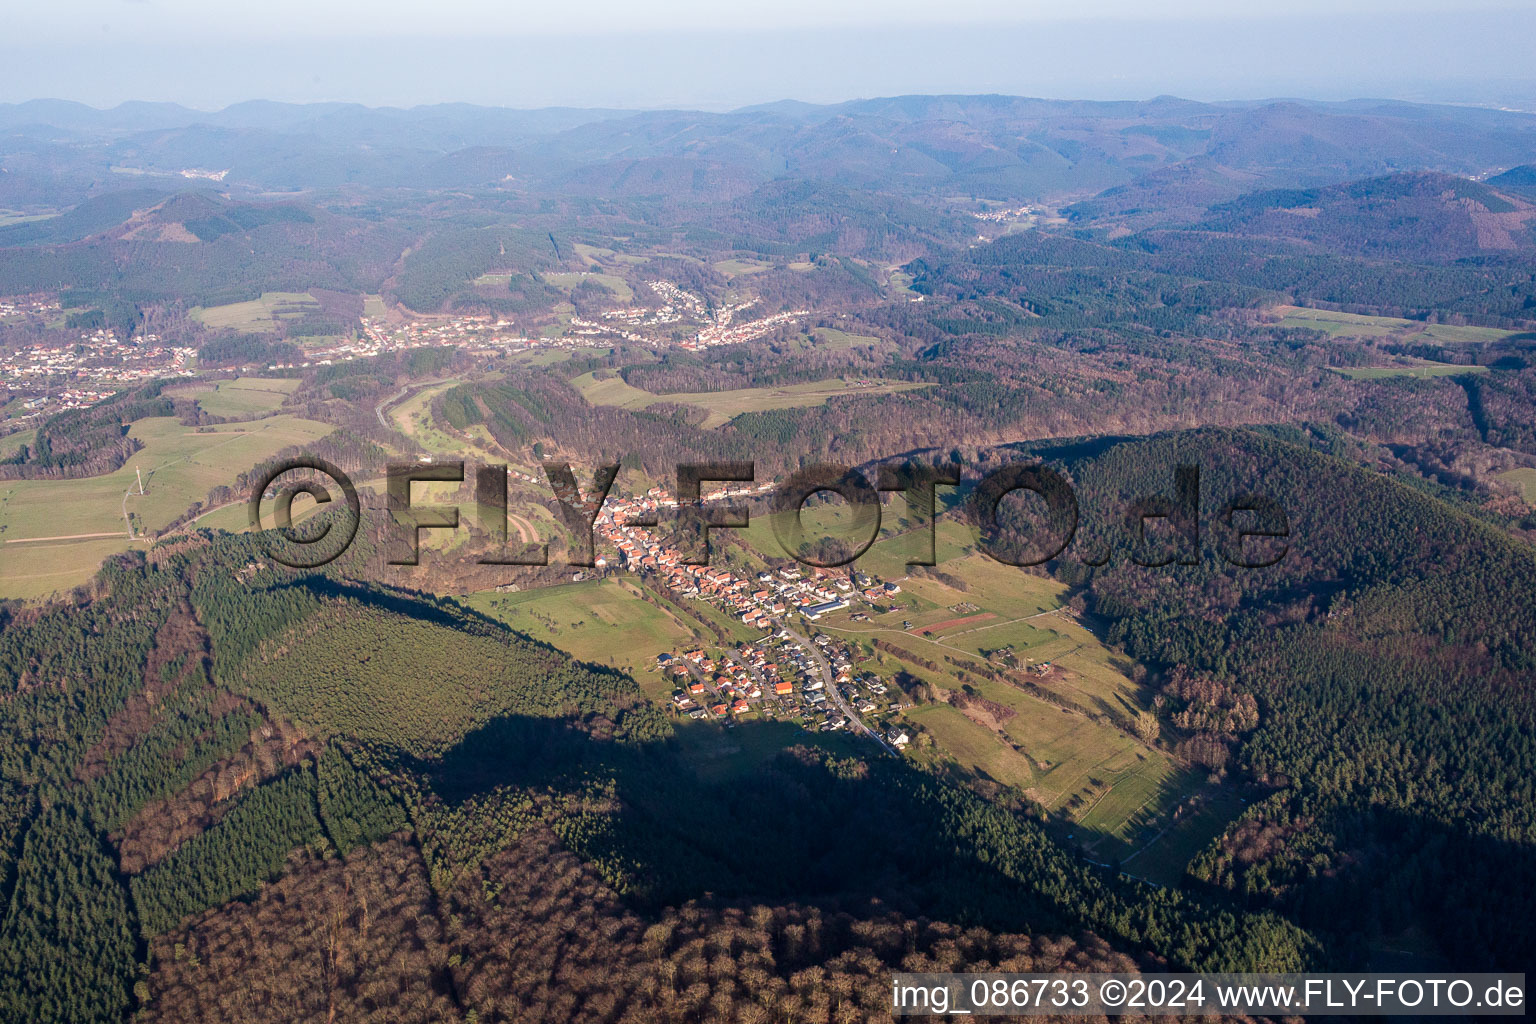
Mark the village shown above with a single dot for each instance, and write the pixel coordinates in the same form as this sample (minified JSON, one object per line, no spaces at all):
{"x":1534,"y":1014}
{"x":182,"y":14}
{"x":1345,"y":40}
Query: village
{"x":783,"y":674}
{"x":483,"y":334}
{"x":75,"y":374}
{"x":719,"y":327}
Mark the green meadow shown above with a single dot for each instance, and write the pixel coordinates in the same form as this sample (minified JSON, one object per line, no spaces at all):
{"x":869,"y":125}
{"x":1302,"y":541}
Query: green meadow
{"x":180,"y":465}
{"x":258,"y":314}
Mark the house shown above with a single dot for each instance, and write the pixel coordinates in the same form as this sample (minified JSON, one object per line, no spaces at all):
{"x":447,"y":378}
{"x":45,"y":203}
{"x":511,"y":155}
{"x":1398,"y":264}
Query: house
{"x":898,"y":736}
{"x":783,"y":688}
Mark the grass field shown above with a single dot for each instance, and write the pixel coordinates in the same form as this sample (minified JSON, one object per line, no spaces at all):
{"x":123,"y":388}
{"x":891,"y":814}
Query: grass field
{"x":10,"y":444}
{"x":974,"y":746}
{"x":258,"y":314}
{"x":838,"y":341}
{"x":29,"y":571}
{"x":180,"y":465}
{"x":1420,"y":371}
{"x":886,"y":557}
{"x":550,"y":356}
{"x":1355,"y":325}
{"x":740,"y":268}
{"x":1069,"y":748}
{"x":602,"y":621}
{"x":727,"y":405}
{"x":567,"y":281}
{"x":1525,"y":479}
{"x":613,"y":391}
{"x":243,"y":396}
{"x":9,"y":217}
{"x":723,"y":406}
{"x":1207,"y":814}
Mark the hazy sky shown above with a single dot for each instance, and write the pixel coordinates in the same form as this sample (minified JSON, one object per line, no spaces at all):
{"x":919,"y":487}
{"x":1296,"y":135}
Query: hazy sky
{"x":717,"y":55}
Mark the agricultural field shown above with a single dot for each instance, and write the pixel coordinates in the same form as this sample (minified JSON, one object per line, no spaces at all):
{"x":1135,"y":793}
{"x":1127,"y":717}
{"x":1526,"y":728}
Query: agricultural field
{"x":1355,"y":325}
{"x":243,"y":396}
{"x":974,"y":745}
{"x":723,"y":406}
{"x":602,"y":621}
{"x":180,"y":465}
{"x":1058,"y":722}
{"x":33,"y":571}
{"x":258,"y":314}
{"x":1421,"y":371}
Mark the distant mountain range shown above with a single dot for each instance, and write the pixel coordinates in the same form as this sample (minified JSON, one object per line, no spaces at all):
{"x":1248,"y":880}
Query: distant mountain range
{"x":1164,"y":154}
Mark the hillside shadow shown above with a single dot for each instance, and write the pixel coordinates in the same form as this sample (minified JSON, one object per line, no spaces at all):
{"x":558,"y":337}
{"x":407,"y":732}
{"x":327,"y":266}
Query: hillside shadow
{"x":1469,"y":899}
{"x":798,"y":825}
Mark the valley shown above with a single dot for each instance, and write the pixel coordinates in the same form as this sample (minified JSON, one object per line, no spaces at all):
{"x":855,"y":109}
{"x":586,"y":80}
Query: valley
{"x":1206,"y":650}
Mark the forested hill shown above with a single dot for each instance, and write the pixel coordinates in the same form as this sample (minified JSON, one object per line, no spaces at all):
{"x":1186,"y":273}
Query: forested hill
{"x":1404,"y":216}
{"x":244,"y":724}
{"x":1388,"y":659}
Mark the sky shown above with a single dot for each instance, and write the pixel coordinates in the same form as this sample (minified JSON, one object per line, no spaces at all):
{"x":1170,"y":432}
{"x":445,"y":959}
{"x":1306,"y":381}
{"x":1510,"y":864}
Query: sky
{"x":686,"y":53}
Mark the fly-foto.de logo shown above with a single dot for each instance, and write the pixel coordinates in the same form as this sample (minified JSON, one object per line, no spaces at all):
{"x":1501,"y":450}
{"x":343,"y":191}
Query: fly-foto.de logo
{"x":1246,"y":530}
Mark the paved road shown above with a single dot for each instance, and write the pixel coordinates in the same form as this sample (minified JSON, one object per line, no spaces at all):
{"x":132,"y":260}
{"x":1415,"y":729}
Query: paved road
{"x":378,"y":410}
{"x":421,"y":385}
{"x":837,"y":695}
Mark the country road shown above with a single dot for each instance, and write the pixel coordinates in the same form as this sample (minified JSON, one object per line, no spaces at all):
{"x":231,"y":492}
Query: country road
{"x":66,"y":536}
{"x":378,"y":410}
{"x":422,"y":385}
